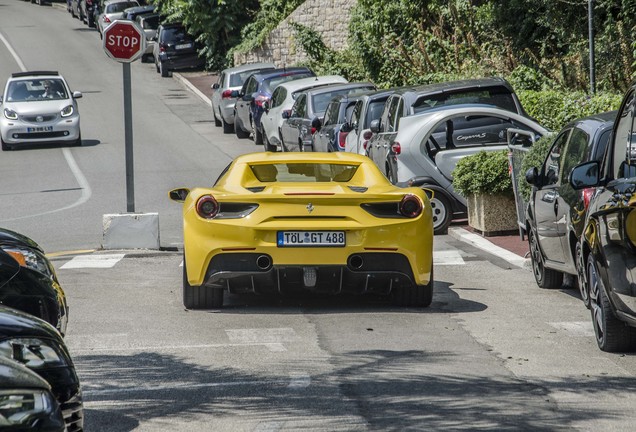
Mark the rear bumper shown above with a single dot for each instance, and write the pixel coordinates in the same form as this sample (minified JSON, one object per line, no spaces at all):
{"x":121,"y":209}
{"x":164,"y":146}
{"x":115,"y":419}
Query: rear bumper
{"x":182,"y":62}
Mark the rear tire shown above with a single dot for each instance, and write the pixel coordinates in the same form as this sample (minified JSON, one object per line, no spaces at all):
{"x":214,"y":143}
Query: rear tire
{"x":217,"y":122}
{"x":268,"y":146}
{"x":200,"y":297}
{"x":414,"y":296}
{"x":545,"y":277}
{"x":165,"y":73}
{"x":258,"y":136}
{"x":238,"y":130}
{"x":227,"y":128}
{"x":442,"y":213}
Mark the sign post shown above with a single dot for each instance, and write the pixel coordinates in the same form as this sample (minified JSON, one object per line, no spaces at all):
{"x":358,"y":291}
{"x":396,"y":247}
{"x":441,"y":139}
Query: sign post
{"x":125,"y":42}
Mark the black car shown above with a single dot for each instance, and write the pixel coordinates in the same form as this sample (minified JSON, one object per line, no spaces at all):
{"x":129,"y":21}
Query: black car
{"x":26,"y":401}
{"x":609,"y":236}
{"x":302,"y":121}
{"x":556,"y":212}
{"x":175,"y":49}
{"x":30,"y":283}
{"x":331,"y":133}
{"x":255,"y":92}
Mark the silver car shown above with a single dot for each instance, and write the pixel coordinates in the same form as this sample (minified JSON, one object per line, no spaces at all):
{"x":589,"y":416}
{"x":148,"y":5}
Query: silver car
{"x":111,"y":11}
{"x":39,"y":107}
{"x":149,"y":23}
{"x":222,"y":100}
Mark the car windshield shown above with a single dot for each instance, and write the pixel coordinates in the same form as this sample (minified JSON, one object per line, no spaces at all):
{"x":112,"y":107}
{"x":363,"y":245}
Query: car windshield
{"x":497,"y":96}
{"x":36,"y":89}
{"x":303,"y":172}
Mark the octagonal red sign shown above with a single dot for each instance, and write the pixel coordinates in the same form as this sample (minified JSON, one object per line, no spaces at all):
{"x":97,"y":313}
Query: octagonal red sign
{"x":124,"y":41}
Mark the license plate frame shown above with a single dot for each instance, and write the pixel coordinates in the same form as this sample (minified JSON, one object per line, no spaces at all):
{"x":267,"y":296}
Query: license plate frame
{"x":183,"y":46}
{"x":326,"y":238}
{"x":37,"y":129}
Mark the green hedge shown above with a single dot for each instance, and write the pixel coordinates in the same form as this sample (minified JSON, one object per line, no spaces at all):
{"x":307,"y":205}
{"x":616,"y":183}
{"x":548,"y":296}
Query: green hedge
{"x":483,"y":173}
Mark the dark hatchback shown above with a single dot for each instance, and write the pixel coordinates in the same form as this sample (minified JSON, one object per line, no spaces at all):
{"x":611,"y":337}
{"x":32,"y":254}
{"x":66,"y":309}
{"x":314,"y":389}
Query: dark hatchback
{"x":257,"y":90}
{"x":26,"y":401}
{"x":31,"y":284}
{"x":555,"y":215}
{"x":609,"y":235}
{"x":331,"y":133}
{"x":175,"y":49}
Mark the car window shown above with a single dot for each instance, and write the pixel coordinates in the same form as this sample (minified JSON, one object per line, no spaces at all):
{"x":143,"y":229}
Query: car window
{"x":271,"y":83}
{"x":303,"y":172}
{"x":331,"y":113}
{"x":348,"y":112}
{"x":497,"y":96}
{"x":354,"y":120}
{"x":623,"y":154}
{"x":221,"y":80}
{"x":279,"y":96}
{"x":36,"y":89}
{"x":300,"y":106}
{"x":150,"y":23}
{"x":237,"y":79}
{"x":174,"y":34}
{"x":602,"y":145}
{"x":320,"y":100}
{"x":552,"y":164}
{"x":389,"y":126}
{"x":374,"y":111}
{"x":576,"y":152}
{"x":251,"y":86}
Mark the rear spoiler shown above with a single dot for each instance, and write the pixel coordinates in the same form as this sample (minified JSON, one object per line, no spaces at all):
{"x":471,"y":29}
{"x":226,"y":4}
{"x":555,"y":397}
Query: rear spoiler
{"x":32,"y":73}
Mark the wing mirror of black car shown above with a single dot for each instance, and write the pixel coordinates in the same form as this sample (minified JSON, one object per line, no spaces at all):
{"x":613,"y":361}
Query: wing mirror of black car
{"x":286,"y":114}
{"x":215,"y":86}
{"x":375,"y":126}
{"x":316,"y":124}
{"x":532,"y":176}
{"x":179,"y":195}
{"x":585,"y":175}
{"x":346,"y":127}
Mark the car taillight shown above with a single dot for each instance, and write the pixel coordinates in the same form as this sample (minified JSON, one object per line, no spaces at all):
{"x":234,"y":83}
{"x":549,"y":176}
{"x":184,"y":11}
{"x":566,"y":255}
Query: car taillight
{"x":587,"y":196}
{"x":162,"y":47}
{"x":396,"y":148}
{"x":207,"y":207}
{"x":410,"y":206}
{"x":342,"y":139}
{"x":106,"y":19}
{"x":227,"y":94}
{"x":260,"y":99}
{"x":313,"y":130}
{"x":365,"y":144}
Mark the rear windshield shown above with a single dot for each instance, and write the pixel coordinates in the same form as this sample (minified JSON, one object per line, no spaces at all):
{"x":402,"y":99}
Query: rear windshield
{"x":303,"y":172}
{"x":174,"y":34}
{"x":374,"y":111}
{"x":237,"y":79}
{"x":270,"y":84}
{"x":497,"y":96}
{"x":151,"y":22}
{"x":320,"y":101}
{"x":120,"y":6}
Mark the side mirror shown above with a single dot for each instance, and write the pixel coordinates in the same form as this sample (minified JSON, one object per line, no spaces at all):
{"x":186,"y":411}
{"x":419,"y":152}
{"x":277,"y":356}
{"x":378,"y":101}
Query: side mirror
{"x":77,"y":95}
{"x":532,"y":176}
{"x":286,"y":114}
{"x":266,"y":106}
{"x":585,"y":175}
{"x":346,"y":128}
{"x":316,"y":124}
{"x":375,"y":126}
{"x":215,"y":86}
{"x":179,"y":195}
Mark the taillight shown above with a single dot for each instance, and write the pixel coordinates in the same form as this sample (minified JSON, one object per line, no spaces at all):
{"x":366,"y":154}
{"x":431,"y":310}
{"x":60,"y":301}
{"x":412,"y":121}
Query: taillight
{"x":365,"y":144}
{"x":207,"y":207}
{"x":342,"y":139}
{"x":396,"y":148}
{"x":260,"y":99}
{"x":313,"y":130}
{"x":227,"y":94}
{"x":162,"y":47}
{"x":106,"y":19}
{"x":367,"y":135}
{"x":587,"y":196}
{"x":410,"y":206}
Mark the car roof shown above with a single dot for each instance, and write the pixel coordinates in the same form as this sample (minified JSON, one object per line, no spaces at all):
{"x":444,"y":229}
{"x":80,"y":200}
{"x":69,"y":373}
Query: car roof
{"x":594,"y":122}
{"x":249,"y":66}
{"x":305,"y":83}
{"x":278,"y":72}
{"x":450,"y":86}
{"x":327,"y":89}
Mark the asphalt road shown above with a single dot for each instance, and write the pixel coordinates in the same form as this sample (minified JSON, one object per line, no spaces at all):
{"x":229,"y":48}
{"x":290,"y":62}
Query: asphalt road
{"x":493,"y":352}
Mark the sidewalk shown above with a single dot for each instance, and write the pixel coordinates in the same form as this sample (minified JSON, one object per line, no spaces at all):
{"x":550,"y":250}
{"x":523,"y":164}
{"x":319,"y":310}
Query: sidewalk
{"x":510,"y":247}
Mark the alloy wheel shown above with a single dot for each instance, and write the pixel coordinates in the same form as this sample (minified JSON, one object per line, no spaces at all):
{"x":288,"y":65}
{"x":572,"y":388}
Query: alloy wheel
{"x":439,"y":212}
{"x":536,"y":257}
{"x":596,"y":308}
{"x":582,"y":275}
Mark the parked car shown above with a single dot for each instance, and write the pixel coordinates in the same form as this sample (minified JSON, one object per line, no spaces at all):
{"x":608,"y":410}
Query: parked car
{"x":149,"y":23}
{"x":321,"y":236}
{"x":30,"y":284}
{"x":175,"y":49}
{"x":331,"y":133}
{"x":608,"y":238}
{"x":112,"y":10}
{"x":38,"y":346}
{"x":87,"y":11}
{"x":231,"y":79}
{"x":282,"y":100}
{"x":39,"y":107}
{"x":76,"y":9}
{"x":300,"y":122}
{"x":132,"y":13}
{"x":427,"y":147}
{"x":369,"y":107}
{"x":556,"y":213}
{"x":257,"y":90}
{"x":26,"y":401}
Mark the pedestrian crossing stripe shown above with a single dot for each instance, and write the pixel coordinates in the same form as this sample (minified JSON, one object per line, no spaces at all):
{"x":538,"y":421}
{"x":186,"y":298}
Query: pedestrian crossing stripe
{"x":448,"y":257}
{"x":93,"y":261}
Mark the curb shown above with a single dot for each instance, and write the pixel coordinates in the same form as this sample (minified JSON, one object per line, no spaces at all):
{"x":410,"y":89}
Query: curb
{"x":183,"y":80}
{"x":483,"y":244}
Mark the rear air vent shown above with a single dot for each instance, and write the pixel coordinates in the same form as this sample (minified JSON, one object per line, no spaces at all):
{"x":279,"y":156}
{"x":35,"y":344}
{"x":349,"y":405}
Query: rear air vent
{"x":360,"y":189}
{"x":256,"y":189}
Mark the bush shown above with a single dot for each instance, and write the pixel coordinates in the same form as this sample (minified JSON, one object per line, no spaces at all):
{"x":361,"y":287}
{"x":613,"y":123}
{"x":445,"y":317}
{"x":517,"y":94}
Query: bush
{"x":483,"y":173}
{"x":533,"y":158}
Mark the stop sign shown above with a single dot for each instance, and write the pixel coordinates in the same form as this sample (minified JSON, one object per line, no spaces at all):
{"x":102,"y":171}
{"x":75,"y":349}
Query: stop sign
{"x":124,"y":41}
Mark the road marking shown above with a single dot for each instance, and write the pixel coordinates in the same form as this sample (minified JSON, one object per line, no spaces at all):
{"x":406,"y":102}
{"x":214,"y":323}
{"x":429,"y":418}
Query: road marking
{"x":448,"y":257}
{"x":93,"y":261}
{"x":484,"y":244}
{"x":575,"y":328}
{"x":274,"y":347}
{"x":272,"y":335}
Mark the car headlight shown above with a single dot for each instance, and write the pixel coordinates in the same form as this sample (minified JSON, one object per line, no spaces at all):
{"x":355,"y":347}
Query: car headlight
{"x":10,"y":114}
{"x":33,"y":353}
{"x":23,"y":407}
{"x":68,"y":111}
{"x":29,"y":259}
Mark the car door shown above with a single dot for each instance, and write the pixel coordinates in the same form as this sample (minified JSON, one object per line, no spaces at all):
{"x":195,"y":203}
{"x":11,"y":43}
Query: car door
{"x":352,"y":144}
{"x":243,"y":102}
{"x":291,"y":126}
{"x":268,"y":122}
{"x":384,"y":139}
{"x":548,"y":206}
{"x":322,"y":137}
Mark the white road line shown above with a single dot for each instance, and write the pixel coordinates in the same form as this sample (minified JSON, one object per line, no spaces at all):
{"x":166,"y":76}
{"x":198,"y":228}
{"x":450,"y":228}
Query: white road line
{"x":271,"y":335}
{"x":447,"y":257}
{"x":77,"y":173}
{"x":274,"y":347}
{"x":575,"y":328}
{"x":93,"y":261}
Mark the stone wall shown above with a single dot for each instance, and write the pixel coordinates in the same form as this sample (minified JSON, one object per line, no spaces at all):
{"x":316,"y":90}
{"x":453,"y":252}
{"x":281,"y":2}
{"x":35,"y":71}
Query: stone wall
{"x":330,"y":18}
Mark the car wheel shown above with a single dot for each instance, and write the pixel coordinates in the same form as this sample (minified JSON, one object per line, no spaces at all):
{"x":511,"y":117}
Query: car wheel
{"x":268,"y":147}
{"x":227,"y":128}
{"x":156,"y":65}
{"x":582,"y":275}
{"x":282,"y":143}
{"x":414,"y":296}
{"x":217,"y":122}
{"x":5,"y":146}
{"x":612,"y":335}
{"x":165,"y":73}
{"x":258,"y":135}
{"x":442,"y":213}
{"x":73,"y":13}
{"x":90,"y":22}
{"x":545,"y":278}
{"x":200,"y":297}
{"x":238,"y":130}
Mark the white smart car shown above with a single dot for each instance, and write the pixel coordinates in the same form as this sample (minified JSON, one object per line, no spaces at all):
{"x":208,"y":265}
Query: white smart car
{"x":39,"y":107}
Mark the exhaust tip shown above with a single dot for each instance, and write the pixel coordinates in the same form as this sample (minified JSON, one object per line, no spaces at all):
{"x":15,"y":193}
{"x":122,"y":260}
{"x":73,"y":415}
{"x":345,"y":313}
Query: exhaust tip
{"x":263,"y":262}
{"x":356,"y":262}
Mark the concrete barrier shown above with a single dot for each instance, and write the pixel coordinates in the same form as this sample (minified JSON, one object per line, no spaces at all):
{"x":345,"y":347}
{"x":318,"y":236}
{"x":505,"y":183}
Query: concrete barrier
{"x":131,"y":231}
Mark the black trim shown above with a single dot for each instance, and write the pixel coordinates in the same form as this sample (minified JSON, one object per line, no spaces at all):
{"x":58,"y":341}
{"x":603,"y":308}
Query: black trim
{"x":33,"y":73}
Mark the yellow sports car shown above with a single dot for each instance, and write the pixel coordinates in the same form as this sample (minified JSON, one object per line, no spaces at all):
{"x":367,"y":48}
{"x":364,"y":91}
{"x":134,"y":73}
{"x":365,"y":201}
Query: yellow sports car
{"x":324,"y":222}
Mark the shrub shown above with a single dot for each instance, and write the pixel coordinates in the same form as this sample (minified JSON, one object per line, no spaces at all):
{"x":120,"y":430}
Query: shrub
{"x":483,"y":173}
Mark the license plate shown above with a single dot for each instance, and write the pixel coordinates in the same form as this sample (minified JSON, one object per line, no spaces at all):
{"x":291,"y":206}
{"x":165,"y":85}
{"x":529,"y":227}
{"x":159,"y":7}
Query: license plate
{"x":40,"y":129}
{"x":183,"y":46}
{"x":311,"y":238}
